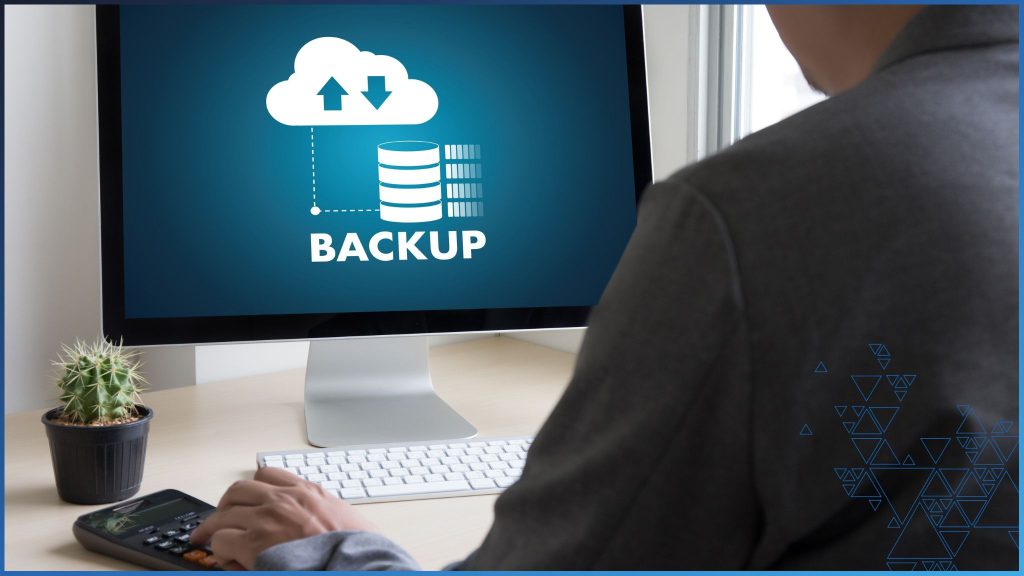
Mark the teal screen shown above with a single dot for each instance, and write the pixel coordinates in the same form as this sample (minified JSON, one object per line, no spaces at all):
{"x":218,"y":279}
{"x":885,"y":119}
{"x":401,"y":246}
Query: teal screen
{"x":256,"y":182}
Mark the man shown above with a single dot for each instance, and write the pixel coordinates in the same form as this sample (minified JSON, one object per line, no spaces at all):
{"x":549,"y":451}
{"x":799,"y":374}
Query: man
{"x":807,"y":355}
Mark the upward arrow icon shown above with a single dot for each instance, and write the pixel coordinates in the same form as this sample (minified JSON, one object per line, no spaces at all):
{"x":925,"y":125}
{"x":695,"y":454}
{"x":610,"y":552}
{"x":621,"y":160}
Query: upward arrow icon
{"x":332,"y":93}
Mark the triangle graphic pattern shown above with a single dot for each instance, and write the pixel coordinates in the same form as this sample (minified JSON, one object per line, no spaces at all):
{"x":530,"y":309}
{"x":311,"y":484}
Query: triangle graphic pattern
{"x":936,"y":493}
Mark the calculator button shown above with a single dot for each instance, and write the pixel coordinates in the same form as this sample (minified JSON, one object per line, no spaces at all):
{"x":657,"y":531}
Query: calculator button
{"x":170,"y":533}
{"x":178,"y":550}
{"x":195,"y":556}
{"x":151,"y":540}
{"x":189,"y":526}
{"x":184,"y":538}
{"x":165,"y":544}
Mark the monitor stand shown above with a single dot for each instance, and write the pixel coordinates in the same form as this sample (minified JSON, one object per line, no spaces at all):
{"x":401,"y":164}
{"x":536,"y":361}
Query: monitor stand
{"x":373,"y":391}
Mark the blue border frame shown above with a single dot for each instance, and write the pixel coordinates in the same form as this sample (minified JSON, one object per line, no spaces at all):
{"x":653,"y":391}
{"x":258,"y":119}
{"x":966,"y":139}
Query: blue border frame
{"x":1020,"y":286}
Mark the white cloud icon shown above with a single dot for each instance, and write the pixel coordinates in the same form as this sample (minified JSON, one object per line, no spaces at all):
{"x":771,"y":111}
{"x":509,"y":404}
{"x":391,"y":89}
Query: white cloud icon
{"x":335,"y":84}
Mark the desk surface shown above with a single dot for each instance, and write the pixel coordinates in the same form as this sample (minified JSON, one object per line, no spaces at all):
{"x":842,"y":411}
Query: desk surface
{"x":203,"y":438}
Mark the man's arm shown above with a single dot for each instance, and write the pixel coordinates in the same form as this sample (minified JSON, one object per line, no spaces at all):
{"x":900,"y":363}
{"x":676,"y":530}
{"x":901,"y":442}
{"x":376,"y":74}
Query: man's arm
{"x":646,"y":460}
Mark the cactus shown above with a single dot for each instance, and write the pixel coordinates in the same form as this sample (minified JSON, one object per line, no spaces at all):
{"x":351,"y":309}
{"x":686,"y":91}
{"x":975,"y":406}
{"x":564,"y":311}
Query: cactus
{"x":99,"y":384}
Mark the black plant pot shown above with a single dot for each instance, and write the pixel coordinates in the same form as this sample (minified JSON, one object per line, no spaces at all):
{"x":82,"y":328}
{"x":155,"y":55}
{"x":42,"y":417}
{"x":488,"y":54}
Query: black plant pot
{"x":97,"y":464}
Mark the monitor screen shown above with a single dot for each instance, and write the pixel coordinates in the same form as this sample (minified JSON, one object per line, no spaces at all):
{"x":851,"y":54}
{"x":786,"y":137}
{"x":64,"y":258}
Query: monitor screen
{"x":344,"y":161}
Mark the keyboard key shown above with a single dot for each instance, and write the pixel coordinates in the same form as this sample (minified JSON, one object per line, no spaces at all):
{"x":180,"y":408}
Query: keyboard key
{"x":416,"y":454}
{"x":398,"y":449}
{"x":357,"y":452}
{"x":409,"y":489}
{"x":435,"y":453}
{"x":475,"y":451}
{"x":392,"y":481}
{"x":338,"y":476}
{"x":495,"y":473}
{"x":493,"y":450}
{"x":353,"y":493}
{"x":488,"y":458}
{"x":434,"y":478}
{"x":449,"y":460}
{"x":459,"y":468}
{"x":293,"y":470}
{"x":413,"y":479}
{"x":417,"y":448}
{"x":458,"y":445}
{"x":335,"y":454}
{"x":499,"y":466}
{"x":454,"y":476}
{"x":332,"y":485}
{"x":349,"y":467}
{"x":356,"y":458}
{"x":351,"y":483}
{"x":379,"y":473}
{"x":309,"y":470}
{"x":317,"y":477}
{"x":389,"y":465}
{"x":479,"y":466}
{"x":420,"y":470}
{"x":474,"y":475}
{"x":329,"y":468}
{"x":372,"y":482}
{"x":358,"y":474}
{"x":430,"y":461}
{"x":399,"y":472}
{"x":274,"y":464}
{"x":370,"y":466}
{"x":437,"y":447}
{"x":482,"y":484}
{"x":336,"y":460}
{"x":498,"y":442}
{"x":504,"y":482}
{"x":376,"y":457}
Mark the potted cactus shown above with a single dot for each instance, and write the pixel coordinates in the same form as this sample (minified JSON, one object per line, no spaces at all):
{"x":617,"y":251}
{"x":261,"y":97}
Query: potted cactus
{"x":98,"y":434}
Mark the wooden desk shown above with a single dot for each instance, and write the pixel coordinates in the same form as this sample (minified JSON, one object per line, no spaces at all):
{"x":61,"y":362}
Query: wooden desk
{"x":203,"y":438}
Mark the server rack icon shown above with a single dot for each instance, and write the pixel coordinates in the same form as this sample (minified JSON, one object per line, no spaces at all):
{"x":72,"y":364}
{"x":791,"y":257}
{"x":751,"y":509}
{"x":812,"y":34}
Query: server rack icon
{"x":409,"y":175}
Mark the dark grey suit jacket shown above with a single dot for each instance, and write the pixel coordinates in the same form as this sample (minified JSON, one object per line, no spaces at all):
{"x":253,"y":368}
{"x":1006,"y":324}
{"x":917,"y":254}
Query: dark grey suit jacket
{"x":874,"y":233}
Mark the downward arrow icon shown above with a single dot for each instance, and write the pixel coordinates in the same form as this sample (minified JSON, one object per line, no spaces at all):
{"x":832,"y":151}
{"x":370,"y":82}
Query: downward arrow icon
{"x":375,"y":92}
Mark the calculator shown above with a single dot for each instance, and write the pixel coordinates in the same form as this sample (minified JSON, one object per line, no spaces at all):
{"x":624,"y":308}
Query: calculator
{"x":152,"y":531}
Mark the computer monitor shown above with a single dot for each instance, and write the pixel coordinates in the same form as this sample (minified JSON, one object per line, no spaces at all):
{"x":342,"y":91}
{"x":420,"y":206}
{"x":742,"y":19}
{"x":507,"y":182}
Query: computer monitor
{"x":361,"y":177}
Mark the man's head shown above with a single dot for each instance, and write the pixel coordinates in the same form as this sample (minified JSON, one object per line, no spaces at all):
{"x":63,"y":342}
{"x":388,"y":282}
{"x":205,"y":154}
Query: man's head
{"x":837,"y":46}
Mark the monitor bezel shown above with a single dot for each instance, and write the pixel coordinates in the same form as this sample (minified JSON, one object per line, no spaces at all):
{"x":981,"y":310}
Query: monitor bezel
{"x":278,"y":327}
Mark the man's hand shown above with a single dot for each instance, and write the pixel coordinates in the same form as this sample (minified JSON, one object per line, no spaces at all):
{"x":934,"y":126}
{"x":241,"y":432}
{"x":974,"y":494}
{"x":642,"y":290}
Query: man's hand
{"x":274,"y":507}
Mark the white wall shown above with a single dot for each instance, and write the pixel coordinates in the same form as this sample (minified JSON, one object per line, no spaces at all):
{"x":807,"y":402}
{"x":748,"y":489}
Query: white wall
{"x":51,"y":202}
{"x":51,"y":236}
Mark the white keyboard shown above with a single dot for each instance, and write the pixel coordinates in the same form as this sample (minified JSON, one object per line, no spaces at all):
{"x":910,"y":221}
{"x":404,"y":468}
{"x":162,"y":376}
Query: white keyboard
{"x":408,"y":471}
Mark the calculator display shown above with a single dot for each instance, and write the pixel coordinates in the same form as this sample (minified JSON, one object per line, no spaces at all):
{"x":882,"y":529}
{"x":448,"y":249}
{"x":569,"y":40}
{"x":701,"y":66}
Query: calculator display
{"x":125,"y":523}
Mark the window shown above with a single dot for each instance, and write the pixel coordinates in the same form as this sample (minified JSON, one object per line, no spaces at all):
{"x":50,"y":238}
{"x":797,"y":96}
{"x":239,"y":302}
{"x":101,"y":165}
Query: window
{"x":775,"y":86}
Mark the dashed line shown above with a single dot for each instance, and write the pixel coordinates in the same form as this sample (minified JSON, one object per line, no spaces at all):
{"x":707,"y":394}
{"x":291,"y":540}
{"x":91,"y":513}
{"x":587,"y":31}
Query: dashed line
{"x":312,"y":171}
{"x":312,"y":161}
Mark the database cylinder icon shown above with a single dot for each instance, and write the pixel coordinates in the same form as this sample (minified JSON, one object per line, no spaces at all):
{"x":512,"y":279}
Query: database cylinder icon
{"x":410,"y":181}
